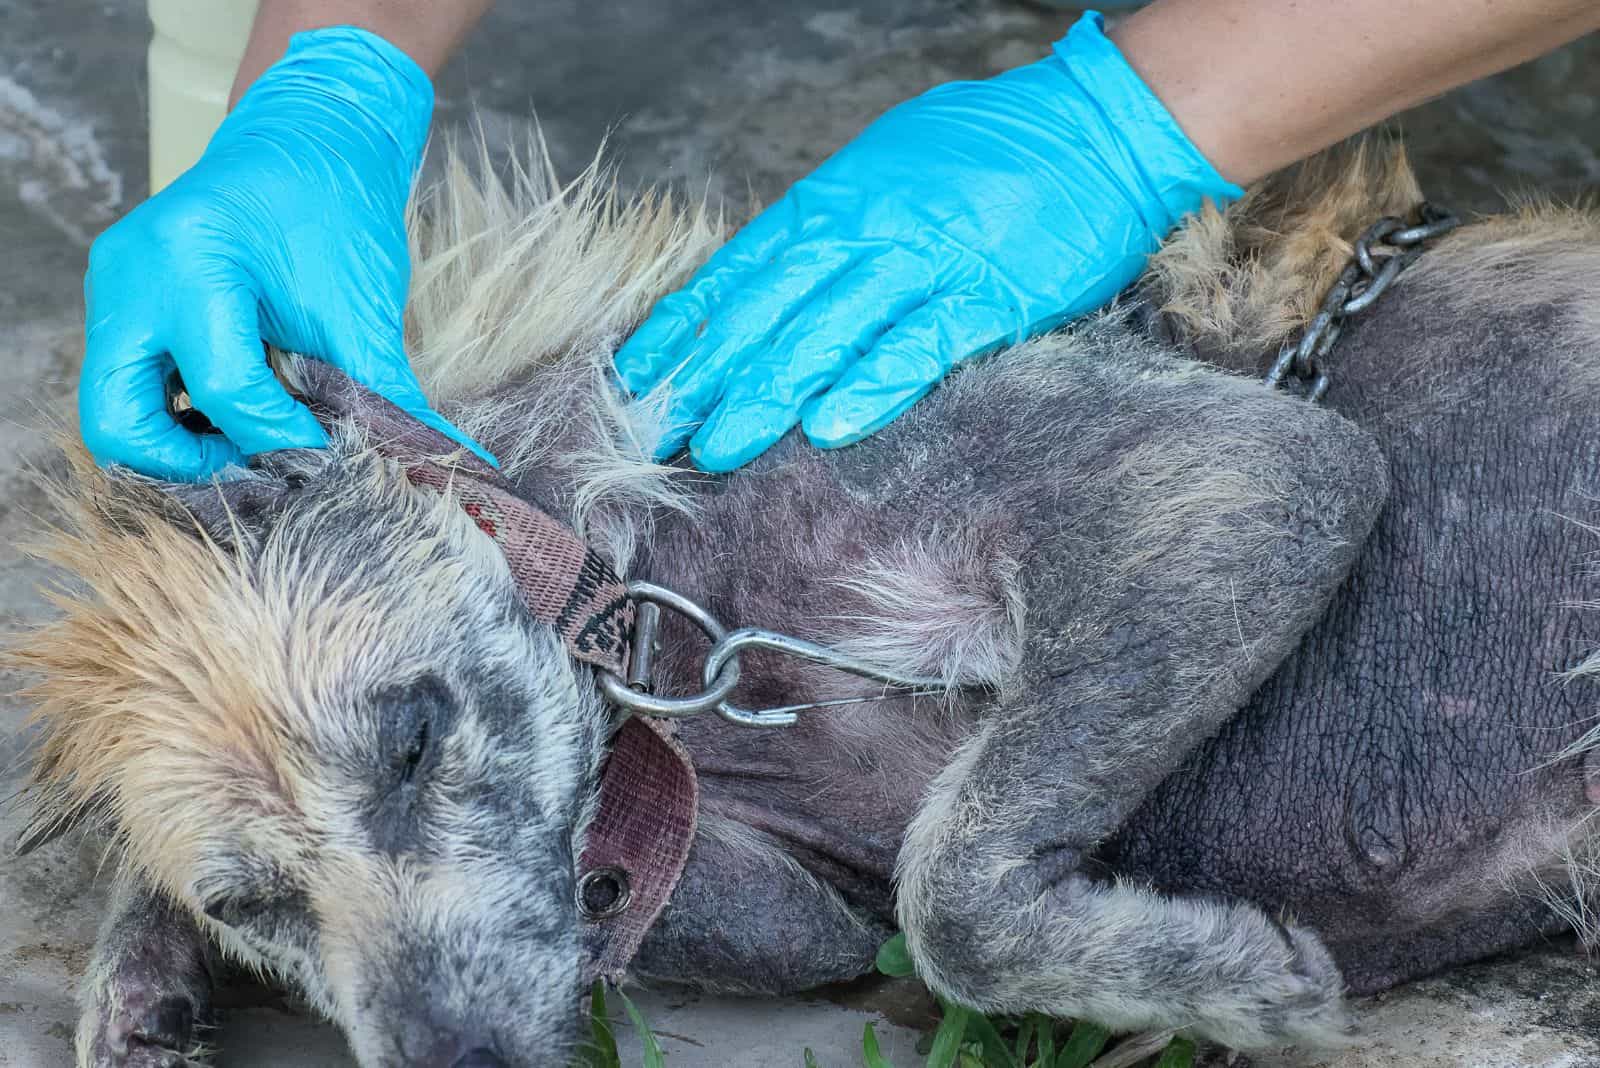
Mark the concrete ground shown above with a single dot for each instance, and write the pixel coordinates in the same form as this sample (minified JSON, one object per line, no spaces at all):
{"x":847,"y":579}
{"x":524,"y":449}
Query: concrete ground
{"x":742,"y":96}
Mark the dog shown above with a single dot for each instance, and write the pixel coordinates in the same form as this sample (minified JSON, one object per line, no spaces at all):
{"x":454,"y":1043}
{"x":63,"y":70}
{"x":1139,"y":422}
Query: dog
{"x":1231,"y":703}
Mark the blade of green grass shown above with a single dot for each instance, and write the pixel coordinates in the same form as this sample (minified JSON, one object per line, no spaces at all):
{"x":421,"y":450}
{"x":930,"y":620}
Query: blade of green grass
{"x":602,"y":1053}
{"x":653,"y":1057}
{"x":871,"y":1057}
{"x":811,"y":1059}
{"x":894,"y":959}
{"x":1047,"y":1041}
{"x":947,"y":1040}
{"x":996,"y":1054}
{"x":1025,"y":1039}
{"x":1178,"y":1054}
{"x":1083,"y":1045}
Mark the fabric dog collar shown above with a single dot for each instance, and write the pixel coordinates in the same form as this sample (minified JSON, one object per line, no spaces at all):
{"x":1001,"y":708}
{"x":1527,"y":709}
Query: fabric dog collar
{"x":638,"y":842}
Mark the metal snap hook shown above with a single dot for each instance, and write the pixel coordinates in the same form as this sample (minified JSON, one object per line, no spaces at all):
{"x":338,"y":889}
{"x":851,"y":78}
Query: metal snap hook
{"x":720,"y":671}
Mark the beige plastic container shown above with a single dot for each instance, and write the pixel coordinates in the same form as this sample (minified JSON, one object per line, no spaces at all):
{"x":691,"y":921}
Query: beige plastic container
{"x":193,"y":58}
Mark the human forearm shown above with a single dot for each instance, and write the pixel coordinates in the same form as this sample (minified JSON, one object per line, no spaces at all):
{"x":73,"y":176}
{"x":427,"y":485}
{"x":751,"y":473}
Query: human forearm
{"x":1258,"y":84}
{"x":429,"y":31}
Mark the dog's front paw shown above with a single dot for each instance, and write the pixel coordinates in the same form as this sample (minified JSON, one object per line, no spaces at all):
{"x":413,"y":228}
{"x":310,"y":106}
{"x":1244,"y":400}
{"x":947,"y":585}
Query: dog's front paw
{"x":1282,"y":989}
{"x":147,"y":1029}
{"x":147,"y":998}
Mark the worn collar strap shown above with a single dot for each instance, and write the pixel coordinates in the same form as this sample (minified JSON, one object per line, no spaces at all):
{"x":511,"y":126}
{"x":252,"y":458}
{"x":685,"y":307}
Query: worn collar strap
{"x":562,"y":582}
{"x":637,"y":845}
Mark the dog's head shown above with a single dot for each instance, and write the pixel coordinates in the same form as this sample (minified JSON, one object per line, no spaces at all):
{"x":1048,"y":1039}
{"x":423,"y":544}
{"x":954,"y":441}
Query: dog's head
{"x":308,"y":705}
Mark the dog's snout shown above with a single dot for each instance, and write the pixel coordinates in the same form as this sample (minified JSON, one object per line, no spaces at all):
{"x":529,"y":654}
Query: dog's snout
{"x":480,"y":1058}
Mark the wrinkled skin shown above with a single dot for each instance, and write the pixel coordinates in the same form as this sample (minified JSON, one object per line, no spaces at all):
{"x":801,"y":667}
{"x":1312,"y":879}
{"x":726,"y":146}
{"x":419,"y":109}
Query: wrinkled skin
{"x":1202,"y":673}
{"x":1404,"y":757}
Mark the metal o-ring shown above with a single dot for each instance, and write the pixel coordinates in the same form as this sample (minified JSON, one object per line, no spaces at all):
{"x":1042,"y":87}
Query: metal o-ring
{"x":619,"y":693}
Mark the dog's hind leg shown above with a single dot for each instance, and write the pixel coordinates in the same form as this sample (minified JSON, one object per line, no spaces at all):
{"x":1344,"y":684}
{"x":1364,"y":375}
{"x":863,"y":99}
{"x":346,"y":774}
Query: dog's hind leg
{"x":1216,"y":541}
{"x":147,"y":995}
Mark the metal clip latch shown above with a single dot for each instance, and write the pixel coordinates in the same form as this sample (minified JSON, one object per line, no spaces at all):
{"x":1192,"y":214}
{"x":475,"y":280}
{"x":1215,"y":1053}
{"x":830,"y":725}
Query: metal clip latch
{"x":719,"y":674}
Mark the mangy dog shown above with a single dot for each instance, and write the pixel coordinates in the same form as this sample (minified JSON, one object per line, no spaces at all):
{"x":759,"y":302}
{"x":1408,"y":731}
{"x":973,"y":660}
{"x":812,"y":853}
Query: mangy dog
{"x":1250,"y":701}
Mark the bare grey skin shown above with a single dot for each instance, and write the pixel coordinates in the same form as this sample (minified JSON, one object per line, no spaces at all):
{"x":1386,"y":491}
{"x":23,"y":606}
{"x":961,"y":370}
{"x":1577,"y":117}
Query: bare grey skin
{"x":1252,"y":701}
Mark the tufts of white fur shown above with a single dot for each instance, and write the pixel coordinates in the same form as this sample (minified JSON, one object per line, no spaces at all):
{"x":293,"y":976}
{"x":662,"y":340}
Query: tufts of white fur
{"x":1574,"y":896}
{"x":511,"y":273}
{"x":1555,"y":860}
{"x":521,"y":276}
{"x":1589,"y":667}
{"x":944,"y":606}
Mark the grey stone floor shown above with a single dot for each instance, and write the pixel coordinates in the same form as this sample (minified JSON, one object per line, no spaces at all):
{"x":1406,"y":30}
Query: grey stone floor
{"x":738,"y":96}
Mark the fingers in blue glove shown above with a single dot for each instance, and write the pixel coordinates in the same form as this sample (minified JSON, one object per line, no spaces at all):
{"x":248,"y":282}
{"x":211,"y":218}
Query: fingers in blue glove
{"x":291,"y":227}
{"x":766,"y":392}
{"x":1025,"y":200}
{"x":116,"y":370}
{"x":659,"y":344}
{"x":225,"y":369}
{"x":747,"y":321}
{"x":122,"y":393}
{"x":903,"y":366}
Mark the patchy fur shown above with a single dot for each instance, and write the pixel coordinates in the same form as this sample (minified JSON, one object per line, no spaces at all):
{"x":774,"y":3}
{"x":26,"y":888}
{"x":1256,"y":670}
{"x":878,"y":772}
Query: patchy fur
{"x":1240,"y":282}
{"x":533,"y":282}
{"x":942,"y":606}
{"x":1540,"y":255}
{"x":318,"y":678}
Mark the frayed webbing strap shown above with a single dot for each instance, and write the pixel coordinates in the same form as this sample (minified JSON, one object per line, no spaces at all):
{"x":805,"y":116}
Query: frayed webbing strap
{"x":562,"y":582}
{"x":643,"y":826}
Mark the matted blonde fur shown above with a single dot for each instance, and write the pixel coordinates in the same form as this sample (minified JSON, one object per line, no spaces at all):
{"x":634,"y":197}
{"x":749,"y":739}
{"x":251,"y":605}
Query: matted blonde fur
{"x":513,"y":273}
{"x":1242,"y":280}
{"x":182,"y":673}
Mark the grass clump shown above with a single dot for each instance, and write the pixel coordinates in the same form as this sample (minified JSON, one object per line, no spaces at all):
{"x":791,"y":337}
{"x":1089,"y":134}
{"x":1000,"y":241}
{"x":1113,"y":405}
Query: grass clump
{"x":963,"y":1039}
{"x":601,"y":1050}
{"x":967,"y":1039}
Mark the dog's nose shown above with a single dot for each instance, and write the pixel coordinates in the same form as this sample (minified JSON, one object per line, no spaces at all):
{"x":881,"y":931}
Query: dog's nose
{"x":480,"y":1058}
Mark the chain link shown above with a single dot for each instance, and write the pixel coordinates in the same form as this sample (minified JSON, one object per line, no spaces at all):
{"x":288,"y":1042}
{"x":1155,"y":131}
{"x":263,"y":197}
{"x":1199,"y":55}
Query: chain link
{"x":1384,"y":249}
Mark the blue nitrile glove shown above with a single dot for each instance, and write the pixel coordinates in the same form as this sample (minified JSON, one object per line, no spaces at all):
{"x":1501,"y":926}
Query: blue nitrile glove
{"x":975,"y":215}
{"x":290,"y":228}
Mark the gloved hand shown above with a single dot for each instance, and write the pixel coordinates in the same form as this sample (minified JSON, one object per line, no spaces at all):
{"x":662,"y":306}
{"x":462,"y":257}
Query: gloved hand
{"x":290,"y":228}
{"x":976,"y":215}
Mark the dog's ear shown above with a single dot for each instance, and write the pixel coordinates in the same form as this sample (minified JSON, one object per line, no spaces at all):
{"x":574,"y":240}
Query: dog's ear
{"x":245,"y":508}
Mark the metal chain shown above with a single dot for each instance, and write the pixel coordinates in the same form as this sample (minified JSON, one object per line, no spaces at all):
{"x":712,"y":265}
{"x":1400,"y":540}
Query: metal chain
{"x":1386,"y":248}
{"x":719,"y":672}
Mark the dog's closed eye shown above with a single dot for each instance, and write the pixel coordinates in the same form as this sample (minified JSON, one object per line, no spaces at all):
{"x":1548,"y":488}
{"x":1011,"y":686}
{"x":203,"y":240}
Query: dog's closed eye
{"x":412,"y":719}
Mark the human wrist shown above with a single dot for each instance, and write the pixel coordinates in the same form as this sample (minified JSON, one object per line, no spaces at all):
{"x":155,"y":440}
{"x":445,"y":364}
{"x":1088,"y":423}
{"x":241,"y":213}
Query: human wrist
{"x":1158,"y":163}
